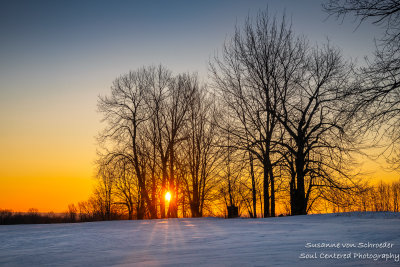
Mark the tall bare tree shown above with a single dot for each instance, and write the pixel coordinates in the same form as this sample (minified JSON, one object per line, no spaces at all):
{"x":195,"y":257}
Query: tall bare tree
{"x":200,"y":151}
{"x":157,"y":101}
{"x":256,"y":64}
{"x":125,"y":112}
{"x":378,"y":93}
{"x":287,"y":101}
{"x":314,"y":117}
{"x":171,"y":116}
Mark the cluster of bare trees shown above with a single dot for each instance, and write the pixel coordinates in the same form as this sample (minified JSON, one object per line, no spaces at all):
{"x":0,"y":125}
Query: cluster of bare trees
{"x":160,"y":137}
{"x":380,"y":197}
{"x":284,"y":98}
{"x":278,"y":128}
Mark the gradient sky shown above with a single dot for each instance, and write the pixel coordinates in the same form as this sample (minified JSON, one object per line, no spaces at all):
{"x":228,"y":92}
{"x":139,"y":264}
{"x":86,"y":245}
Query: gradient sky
{"x":56,"y":57}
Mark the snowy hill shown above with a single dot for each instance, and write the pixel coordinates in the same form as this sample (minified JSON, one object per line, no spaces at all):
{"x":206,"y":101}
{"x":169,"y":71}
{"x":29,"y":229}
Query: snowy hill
{"x":349,"y":239}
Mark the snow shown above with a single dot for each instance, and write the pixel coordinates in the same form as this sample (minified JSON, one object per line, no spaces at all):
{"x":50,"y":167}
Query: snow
{"x":207,"y":241}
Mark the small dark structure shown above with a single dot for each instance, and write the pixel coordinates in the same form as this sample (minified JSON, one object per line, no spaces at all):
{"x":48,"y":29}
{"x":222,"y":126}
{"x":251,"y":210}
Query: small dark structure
{"x":233,"y":211}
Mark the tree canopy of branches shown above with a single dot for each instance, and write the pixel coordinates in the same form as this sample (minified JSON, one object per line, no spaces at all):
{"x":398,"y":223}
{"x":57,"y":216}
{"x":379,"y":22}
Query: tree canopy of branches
{"x":378,"y":93}
{"x":277,"y":128}
{"x":159,"y":138}
{"x":284,"y":98}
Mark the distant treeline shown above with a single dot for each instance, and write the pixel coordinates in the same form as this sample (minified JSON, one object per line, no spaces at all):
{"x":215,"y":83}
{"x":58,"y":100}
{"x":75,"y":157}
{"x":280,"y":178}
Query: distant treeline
{"x":33,"y":216}
{"x":382,"y":197}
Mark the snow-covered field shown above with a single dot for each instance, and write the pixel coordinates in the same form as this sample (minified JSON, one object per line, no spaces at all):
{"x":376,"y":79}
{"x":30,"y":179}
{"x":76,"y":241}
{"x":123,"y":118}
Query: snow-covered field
{"x":209,"y":241}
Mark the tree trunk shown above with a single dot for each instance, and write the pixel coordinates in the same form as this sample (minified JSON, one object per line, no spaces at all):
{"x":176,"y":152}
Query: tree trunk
{"x":130,"y":212}
{"x":195,"y":204}
{"x":253,"y":187}
{"x":163,"y":187}
{"x":299,"y":203}
{"x":271,"y":178}
{"x":266,"y":191}
{"x":172,"y":210}
{"x":140,"y":208}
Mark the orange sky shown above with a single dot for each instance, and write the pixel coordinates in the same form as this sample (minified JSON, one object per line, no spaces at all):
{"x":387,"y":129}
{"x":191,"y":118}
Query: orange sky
{"x":44,"y":178}
{"x":47,"y":181}
{"x":45,"y":175}
{"x":47,"y":153}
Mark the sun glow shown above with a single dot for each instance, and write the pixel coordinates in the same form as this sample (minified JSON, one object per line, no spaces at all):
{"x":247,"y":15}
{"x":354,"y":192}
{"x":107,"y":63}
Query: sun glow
{"x":168,"y":196}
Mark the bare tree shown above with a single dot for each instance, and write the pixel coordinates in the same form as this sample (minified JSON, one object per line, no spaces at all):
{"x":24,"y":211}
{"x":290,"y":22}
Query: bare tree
{"x":157,"y":138}
{"x":72,"y":212}
{"x":201,"y":153}
{"x":105,"y":189}
{"x":126,"y":186}
{"x":232,"y":172}
{"x":286,"y":99}
{"x":146,"y":117}
{"x":180,"y":97}
{"x":258,"y":61}
{"x":170,"y":100}
{"x":378,"y":93}
{"x":125,"y":112}
{"x":316,"y":126}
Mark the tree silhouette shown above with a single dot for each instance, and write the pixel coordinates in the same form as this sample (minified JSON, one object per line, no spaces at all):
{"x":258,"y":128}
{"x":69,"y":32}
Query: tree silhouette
{"x":378,"y":93}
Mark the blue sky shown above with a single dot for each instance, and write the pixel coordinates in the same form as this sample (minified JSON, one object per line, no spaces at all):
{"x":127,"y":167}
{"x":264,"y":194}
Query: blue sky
{"x":58,"y":47}
{"x":120,"y":35}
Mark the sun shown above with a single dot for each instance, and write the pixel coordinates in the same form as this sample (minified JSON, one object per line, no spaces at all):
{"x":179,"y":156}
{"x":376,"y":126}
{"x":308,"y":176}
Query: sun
{"x":168,"y":196}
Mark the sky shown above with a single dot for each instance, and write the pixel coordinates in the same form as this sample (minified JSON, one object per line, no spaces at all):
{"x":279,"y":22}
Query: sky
{"x":57,"y":57}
